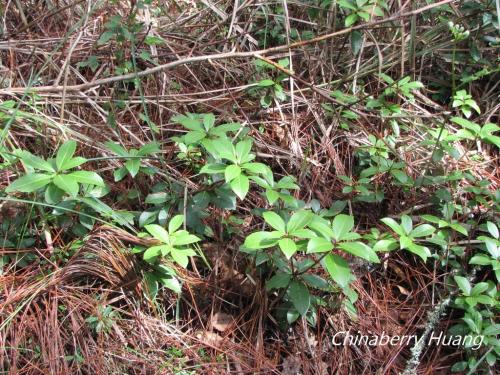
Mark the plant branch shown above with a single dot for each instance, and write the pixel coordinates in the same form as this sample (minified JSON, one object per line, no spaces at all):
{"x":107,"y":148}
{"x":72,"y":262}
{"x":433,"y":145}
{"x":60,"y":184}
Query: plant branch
{"x":218,"y":56}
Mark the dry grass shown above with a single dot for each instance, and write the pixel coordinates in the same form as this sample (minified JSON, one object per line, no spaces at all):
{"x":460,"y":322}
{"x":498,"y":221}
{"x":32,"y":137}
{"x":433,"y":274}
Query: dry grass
{"x":44,"y":306}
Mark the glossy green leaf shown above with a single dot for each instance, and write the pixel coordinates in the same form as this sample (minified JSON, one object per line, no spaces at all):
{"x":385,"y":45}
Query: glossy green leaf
{"x":406,"y":224}
{"x":213,"y":168}
{"x":257,"y":168}
{"x":280,"y":280}
{"x":221,"y":130}
{"x":182,"y":256}
{"x":493,"y":229}
{"x":347,"y":4}
{"x":275,"y":221}
{"x":479,"y":288}
{"x":431,"y":218}
{"x":266,"y":83}
{"x":120,"y":173}
{"x":287,"y":182}
{"x":147,"y":217}
{"x":67,"y":183}
{"x":480,"y":259}
{"x":261,"y":240}
{"x":194,"y":136}
{"x":300,"y":297}
{"x":303,"y":233}
{"x":187,"y":122}
{"x":422,"y":251}
{"x":299,"y":220}
{"x":86,"y":177}
{"x":53,"y":194}
{"x":361,"y":250}
{"x":385,"y":245}
{"x":242,"y":150}
{"x":231,"y":172}
{"x":423,"y":230}
{"x":319,"y":245}
{"x":240,"y":186}
{"x":351,"y":19}
{"x":288,"y":247}
{"x":391,"y":223}
{"x":184,"y":238}
{"x":149,"y":148}
{"x":72,"y":163}
{"x":133,"y":166}
{"x":459,"y":228}
{"x":158,"y":232}
{"x":315,"y":281}
{"x":208,"y":121}
{"x":272,"y":196}
{"x":356,"y":42}
{"x":321,"y":226}
{"x":172,"y":283}
{"x":459,"y":366}
{"x":65,"y":153}
{"x":224,"y":149}
{"x":105,"y":37}
{"x":469,"y":125}
{"x":338,"y":269}
{"x":405,"y":242}
{"x":29,"y":183}
{"x":400,"y":175}
{"x":157,"y":198}
{"x":175,"y":223}
{"x":116,"y":148}
{"x":463,"y":284}
{"x":492,"y":246}
{"x":36,"y":162}
{"x":152,"y":253}
{"x":341,"y":225}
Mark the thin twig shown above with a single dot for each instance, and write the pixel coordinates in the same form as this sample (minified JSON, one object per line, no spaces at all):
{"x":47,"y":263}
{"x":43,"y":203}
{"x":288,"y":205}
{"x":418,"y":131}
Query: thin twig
{"x":218,"y":56}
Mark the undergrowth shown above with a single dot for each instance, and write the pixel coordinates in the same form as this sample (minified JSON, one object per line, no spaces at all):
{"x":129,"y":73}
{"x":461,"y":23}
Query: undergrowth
{"x":198,"y":187}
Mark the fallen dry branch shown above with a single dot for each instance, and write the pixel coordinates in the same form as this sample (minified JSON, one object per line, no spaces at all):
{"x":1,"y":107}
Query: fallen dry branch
{"x":213,"y":57}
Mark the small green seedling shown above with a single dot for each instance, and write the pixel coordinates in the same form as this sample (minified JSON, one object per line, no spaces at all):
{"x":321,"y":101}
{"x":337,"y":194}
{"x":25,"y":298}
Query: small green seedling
{"x":133,"y":159}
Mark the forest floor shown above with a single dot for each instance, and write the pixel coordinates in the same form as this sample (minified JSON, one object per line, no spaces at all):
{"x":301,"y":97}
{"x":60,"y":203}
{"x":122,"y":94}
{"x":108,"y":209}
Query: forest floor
{"x":363,"y":110}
